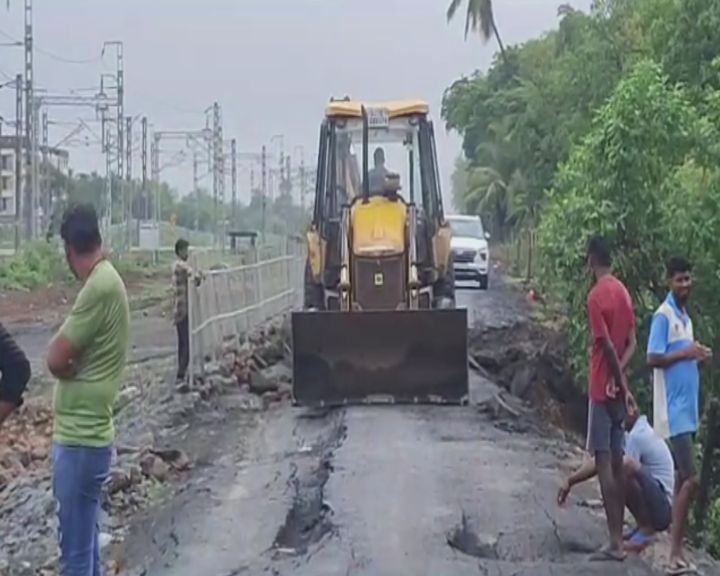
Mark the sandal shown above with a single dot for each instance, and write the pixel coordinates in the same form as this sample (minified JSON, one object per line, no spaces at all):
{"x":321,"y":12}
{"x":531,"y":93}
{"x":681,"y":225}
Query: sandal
{"x":607,"y":555}
{"x":680,"y":567}
{"x":638,"y":542}
{"x":630,"y":533}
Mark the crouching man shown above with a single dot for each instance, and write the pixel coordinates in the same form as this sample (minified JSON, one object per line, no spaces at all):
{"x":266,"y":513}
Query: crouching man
{"x":649,"y":481}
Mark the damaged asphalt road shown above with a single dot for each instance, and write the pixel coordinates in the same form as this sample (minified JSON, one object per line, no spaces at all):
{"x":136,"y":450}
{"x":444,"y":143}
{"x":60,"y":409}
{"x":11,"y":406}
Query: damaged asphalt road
{"x":381,"y":490}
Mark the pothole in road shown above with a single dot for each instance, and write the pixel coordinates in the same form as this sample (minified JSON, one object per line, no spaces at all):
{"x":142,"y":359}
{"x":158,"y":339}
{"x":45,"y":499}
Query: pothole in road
{"x":522,"y":545}
{"x":309,"y":518}
{"x":466,"y":540}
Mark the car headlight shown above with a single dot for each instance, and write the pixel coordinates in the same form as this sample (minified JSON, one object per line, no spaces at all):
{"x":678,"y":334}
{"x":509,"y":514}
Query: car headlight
{"x":481,"y":256}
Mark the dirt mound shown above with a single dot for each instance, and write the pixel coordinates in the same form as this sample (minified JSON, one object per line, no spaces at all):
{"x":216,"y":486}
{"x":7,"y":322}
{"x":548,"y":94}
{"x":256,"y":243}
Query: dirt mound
{"x":25,"y":445}
{"x":530,"y":360}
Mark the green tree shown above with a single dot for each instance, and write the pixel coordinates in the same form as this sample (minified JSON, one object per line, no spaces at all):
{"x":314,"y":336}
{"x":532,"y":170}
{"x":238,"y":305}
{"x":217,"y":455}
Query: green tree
{"x":478,"y":18}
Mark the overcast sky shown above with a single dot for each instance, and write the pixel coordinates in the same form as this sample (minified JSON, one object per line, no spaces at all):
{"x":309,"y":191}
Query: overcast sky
{"x":272,"y":64}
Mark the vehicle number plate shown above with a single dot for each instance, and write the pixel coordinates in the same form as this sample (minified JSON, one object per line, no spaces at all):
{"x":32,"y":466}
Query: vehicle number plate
{"x":378,"y":118}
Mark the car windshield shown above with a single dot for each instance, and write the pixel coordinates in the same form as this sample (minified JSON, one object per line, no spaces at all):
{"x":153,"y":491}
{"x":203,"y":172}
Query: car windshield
{"x":467,"y":228}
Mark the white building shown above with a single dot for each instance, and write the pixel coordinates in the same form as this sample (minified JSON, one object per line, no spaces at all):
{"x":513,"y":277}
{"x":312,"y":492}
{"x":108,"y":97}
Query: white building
{"x":56,"y":157}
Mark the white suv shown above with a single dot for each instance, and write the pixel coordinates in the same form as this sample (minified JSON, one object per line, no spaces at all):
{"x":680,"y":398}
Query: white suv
{"x":471,"y":256}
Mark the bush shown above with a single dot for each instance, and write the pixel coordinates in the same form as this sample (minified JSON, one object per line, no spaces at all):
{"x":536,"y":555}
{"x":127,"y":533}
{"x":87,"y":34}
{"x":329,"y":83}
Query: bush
{"x":37,"y":265}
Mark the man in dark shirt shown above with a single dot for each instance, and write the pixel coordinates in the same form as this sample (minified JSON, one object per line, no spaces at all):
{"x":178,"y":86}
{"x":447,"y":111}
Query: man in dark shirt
{"x":14,"y":374}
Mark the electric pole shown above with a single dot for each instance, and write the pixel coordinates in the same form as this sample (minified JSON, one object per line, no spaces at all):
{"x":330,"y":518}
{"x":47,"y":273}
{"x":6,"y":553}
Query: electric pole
{"x":155,"y":161}
{"x":218,"y":177}
{"x":128,"y":178}
{"x":145,"y":194}
{"x":264,"y":188}
{"x":46,"y":201}
{"x":107,"y":211}
{"x":29,"y":204}
{"x":18,"y":158}
{"x":288,"y":179}
{"x":233,"y":162}
{"x":302,"y":183}
{"x":196,"y":190}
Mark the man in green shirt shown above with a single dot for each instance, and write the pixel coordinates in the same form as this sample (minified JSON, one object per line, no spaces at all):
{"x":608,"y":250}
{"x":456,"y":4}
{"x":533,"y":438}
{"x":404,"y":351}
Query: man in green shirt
{"x":88,"y":357}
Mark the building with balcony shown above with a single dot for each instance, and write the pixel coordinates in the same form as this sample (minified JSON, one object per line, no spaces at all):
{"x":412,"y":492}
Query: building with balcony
{"x":56,"y":158}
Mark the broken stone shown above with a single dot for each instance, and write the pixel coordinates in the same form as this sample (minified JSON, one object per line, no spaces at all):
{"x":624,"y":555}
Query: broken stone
{"x":521,"y":381}
{"x":154,"y":467}
{"x":259,"y":384}
{"x":268,"y":398}
{"x":177,"y":459}
{"x":497,"y":407}
{"x":119,"y":480}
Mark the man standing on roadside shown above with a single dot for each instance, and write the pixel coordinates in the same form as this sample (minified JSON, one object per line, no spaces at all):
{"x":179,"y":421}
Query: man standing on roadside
{"x":88,"y":356}
{"x":14,"y":374}
{"x":612,"y":329}
{"x":673,"y":355}
{"x":182,"y":273}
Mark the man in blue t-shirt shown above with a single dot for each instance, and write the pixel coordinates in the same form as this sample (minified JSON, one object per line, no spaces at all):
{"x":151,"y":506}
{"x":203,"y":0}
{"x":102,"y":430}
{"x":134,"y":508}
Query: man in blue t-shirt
{"x":673,"y":354}
{"x":648,"y":480}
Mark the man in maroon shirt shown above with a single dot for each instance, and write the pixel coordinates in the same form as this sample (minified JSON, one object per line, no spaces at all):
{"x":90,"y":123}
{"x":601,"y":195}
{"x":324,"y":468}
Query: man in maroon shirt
{"x":612,"y":328}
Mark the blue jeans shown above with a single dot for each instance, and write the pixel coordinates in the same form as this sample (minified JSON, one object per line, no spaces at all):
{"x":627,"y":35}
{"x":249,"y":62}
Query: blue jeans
{"x":78,"y":477}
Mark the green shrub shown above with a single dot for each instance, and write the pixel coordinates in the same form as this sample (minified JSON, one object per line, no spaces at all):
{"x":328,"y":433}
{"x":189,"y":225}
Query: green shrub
{"x":38,"y":264}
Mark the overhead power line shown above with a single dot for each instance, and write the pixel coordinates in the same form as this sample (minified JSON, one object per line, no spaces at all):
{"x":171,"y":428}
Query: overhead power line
{"x":50,"y":54}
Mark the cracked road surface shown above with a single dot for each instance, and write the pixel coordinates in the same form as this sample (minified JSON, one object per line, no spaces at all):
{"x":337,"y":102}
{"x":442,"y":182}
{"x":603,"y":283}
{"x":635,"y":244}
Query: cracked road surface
{"x":382,"y":490}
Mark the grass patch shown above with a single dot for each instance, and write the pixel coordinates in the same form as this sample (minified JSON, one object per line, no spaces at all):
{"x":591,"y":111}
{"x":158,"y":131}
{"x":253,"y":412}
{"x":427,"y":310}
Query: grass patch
{"x":38,"y":264}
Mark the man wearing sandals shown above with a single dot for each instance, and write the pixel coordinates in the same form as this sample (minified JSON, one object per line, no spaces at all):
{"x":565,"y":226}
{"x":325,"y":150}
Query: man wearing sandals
{"x":673,"y":354}
{"x":612,"y":328}
{"x":649,"y":480}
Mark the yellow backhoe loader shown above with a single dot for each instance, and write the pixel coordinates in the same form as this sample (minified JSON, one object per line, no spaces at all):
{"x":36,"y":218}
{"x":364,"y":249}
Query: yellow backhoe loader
{"x":379,"y":323}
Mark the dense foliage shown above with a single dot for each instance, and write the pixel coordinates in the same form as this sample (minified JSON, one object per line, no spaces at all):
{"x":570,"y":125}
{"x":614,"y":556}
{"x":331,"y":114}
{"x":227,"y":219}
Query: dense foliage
{"x":191,"y":211}
{"x":609,"y":124}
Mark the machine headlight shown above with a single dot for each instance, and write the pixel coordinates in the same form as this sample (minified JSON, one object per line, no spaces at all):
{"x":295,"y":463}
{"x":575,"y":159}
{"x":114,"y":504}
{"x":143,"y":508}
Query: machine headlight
{"x":481,"y":256}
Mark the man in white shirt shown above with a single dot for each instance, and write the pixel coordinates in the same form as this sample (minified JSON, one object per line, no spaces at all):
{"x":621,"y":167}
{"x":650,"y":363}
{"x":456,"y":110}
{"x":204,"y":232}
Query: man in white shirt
{"x":649,"y":481}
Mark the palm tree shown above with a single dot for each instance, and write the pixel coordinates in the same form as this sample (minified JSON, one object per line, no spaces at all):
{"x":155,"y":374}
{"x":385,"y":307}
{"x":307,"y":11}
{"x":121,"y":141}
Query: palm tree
{"x":478,"y":17}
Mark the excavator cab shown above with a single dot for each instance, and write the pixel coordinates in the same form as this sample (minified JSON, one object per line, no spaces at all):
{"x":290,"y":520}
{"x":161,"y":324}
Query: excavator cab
{"x":379,"y":322}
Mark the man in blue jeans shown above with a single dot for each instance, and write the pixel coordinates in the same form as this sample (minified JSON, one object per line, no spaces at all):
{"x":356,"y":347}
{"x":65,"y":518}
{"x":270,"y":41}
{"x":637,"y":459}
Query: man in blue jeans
{"x":88,"y":357}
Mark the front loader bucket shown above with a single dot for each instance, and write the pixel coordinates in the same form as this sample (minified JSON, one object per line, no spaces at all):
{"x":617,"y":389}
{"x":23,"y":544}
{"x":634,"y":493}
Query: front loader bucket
{"x":408,"y":356}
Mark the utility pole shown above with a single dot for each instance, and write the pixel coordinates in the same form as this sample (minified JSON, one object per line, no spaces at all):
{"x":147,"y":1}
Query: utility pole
{"x":29,"y":207}
{"x":302,"y":183}
{"x":155,"y":161}
{"x":155,"y":176}
{"x":145,"y":195}
{"x":233,"y":162}
{"x":264,"y":189}
{"x":288,"y":178}
{"x":128,"y":178}
{"x":120,"y":128}
{"x":196,"y":190}
{"x":107,"y":204}
{"x":18,"y":157}
{"x":46,"y":200}
{"x":218,"y":177}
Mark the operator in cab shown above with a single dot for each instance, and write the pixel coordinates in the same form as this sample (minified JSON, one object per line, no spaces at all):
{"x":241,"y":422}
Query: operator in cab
{"x":377,"y":176}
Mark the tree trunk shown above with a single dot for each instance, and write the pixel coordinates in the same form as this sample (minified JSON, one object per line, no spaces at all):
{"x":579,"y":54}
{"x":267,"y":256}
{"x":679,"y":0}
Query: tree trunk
{"x":529,"y":256}
{"x":499,"y":41}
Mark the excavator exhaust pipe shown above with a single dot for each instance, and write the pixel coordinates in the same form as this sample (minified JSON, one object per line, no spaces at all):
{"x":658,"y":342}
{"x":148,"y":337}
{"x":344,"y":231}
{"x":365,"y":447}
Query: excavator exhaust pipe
{"x":404,"y":356}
